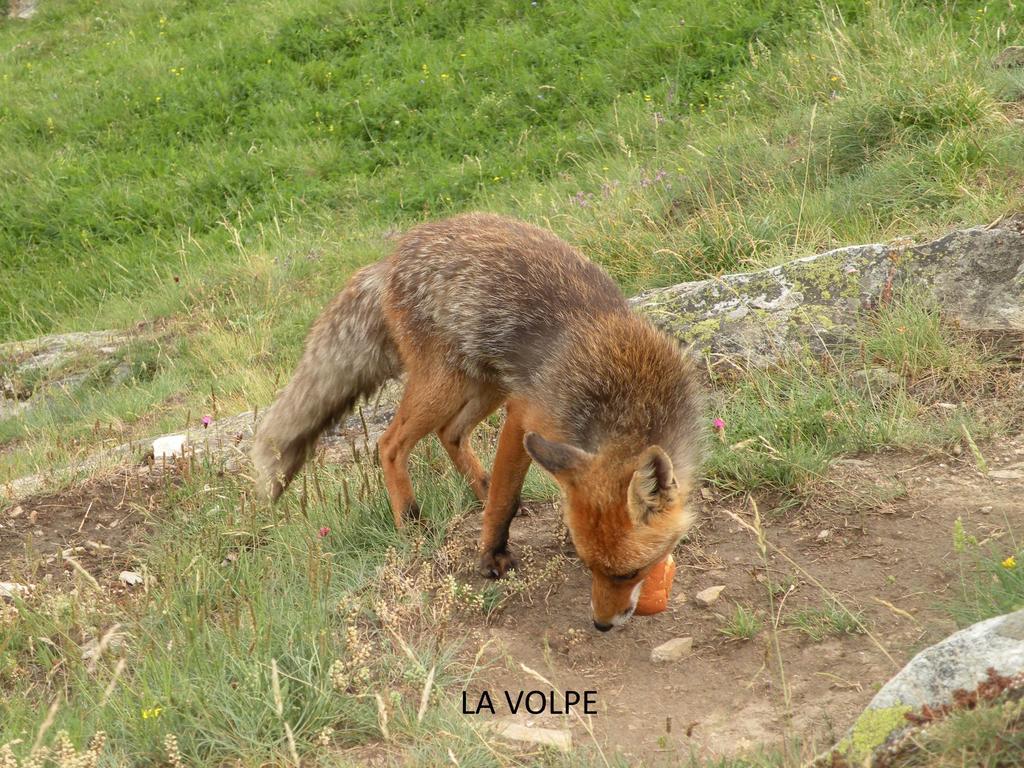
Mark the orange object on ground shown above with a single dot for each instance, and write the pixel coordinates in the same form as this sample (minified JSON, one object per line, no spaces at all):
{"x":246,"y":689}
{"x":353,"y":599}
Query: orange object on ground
{"x":657,"y":588}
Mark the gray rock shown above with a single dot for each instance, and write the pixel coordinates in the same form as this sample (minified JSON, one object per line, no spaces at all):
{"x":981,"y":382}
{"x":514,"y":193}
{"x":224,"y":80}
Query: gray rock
{"x":559,"y":738}
{"x":959,"y":661}
{"x":30,"y":370}
{"x":976,"y":276}
{"x":225,"y":442}
{"x":1011,"y":57}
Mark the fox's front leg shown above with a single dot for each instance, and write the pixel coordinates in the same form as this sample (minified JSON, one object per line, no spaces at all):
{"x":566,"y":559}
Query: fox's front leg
{"x":510,"y":464}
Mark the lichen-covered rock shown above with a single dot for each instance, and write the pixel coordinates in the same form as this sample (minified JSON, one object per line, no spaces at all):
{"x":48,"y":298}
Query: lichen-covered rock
{"x":1010,"y":58}
{"x":976,"y":276}
{"x":30,"y":368}
{"x":960,"y":662}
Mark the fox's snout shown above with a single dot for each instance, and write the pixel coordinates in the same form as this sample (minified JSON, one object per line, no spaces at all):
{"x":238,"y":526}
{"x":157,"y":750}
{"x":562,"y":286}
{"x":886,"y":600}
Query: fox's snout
{"x":612,"y":605}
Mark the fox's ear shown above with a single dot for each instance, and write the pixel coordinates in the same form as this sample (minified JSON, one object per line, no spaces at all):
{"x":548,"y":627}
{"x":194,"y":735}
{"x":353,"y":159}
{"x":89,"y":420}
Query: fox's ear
{"x":653,"y":485}
{"x":556,"y":458}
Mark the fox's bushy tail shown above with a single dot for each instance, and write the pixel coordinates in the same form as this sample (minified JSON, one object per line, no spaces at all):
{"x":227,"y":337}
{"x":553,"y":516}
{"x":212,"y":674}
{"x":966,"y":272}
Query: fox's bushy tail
{"x":349,"y":354}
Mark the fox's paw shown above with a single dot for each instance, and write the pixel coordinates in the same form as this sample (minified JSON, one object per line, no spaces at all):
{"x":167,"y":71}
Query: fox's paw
{"x":496,"y":563}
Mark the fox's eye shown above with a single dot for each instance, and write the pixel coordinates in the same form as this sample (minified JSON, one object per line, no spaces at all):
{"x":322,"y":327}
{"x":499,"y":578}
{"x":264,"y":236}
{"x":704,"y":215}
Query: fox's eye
{"x":627,"y":576}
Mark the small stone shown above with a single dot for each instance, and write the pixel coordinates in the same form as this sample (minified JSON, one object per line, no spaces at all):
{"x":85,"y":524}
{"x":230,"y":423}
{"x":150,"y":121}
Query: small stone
{"x":673,"y":650}
{"x":680,"y":599}
{"x":10,"y":589}
{"x":32,"y":516}
{"x":824,"y":535}
{"x":131,"y":578}
{"x":21,"y":9}
{"x":1007,"y":474}
{"x":551,"y":737}
{"x":707,"y":597}
{"x":16,"y":512}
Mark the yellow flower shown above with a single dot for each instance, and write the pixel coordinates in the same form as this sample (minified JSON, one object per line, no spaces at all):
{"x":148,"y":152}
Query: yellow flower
{"x":1010,"y":562}
{"x":148,"y":714}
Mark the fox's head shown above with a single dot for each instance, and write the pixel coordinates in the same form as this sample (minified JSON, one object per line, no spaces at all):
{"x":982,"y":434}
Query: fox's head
{"x":625,"y":513}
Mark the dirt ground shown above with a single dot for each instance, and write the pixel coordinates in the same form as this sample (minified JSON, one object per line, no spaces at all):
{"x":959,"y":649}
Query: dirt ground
{"x":880,"y":541}
{"x":98,"y":524}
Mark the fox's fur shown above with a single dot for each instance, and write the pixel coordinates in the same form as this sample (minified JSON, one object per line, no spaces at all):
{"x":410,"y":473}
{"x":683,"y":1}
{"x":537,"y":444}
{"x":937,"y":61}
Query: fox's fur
{"x":481,"y":310}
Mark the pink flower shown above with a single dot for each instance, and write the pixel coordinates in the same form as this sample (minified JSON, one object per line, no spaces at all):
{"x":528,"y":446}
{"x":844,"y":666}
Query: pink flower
{"x":324,"y":531}
{"x":207,"y":420}
{"x":719,"y":424}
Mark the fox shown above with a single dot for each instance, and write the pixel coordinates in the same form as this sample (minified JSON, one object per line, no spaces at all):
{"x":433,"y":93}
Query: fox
{"x":480,"y":311}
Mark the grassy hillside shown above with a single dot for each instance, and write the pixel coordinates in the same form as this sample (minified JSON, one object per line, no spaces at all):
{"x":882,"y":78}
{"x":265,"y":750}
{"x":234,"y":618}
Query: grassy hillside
{"x":222,"y":167}
{"x":143,"y":140}
{"x":209,"y":173}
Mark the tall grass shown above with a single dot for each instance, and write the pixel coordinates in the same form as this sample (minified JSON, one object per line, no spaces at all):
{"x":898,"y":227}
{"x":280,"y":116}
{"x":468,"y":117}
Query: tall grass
{"x":671,"y":139}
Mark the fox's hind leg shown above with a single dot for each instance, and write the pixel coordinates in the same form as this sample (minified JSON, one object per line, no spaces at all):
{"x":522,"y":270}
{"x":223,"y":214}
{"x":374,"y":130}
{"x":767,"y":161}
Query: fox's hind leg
{"x":426,"y":405}
{"x":510,"y":465}
{"x":480,"y":402}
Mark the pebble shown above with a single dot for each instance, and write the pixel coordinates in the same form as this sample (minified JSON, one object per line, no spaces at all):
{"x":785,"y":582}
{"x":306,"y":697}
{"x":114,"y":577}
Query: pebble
{"x":707,"y":597}
{"x":673,"y":650}
{"x":551,"y":737}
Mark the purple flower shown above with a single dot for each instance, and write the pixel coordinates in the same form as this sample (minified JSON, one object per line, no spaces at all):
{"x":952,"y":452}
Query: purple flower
{"x":324,"y":531}
{"x":207,"y":420}
{"x":719,"y":424}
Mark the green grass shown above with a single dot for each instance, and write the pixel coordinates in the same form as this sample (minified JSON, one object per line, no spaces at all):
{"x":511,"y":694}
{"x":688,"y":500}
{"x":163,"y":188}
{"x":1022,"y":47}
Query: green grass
{"x":699,"y":136}
{"x":743,"y":624}
{"x":668,"y":140}
{"x":831,"y":620}
{"x":330,"y":612}
{"x":987,"y":737}
{"x":991,"y":578}
{"x":784,"y":426}
{"x":911,"y":339}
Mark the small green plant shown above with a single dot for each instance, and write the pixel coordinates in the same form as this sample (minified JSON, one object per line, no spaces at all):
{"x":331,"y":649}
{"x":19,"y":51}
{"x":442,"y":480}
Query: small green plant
{"x":742,"y":625}
{"x":991,"y":580}
{"x":830,"y":620}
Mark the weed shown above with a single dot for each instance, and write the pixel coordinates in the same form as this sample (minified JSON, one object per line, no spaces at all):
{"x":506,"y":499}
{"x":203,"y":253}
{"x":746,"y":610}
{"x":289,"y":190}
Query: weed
{"x":991,"y":579}
{"x":743,"y":624}
{"x":830,"y":620}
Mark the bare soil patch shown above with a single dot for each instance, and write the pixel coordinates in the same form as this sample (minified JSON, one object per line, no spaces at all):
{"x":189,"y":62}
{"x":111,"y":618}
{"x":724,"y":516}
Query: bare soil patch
{"x":99,"y":523}
{"x":880,"y":541}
